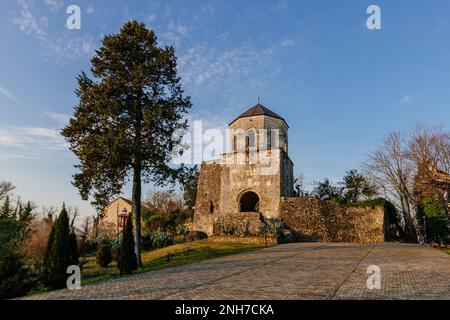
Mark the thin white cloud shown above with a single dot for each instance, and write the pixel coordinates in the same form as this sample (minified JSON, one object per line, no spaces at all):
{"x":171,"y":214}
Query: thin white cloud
{"x":90,"y":9}
{"x":54,"y":5}
{"x":208,"y":9}
{"x":407,"y":100}
{"x":6,"y":139}
{"x":228,"y":77}
{"x":202,"y":63}
{"x":58,"y":48}
{"x":67,"y":48}
{"x":60,"y":118}
{"x":41,"y":132}
{"x":176,"y":33}
{"x":151,"y":17}
{"x":31,"y":143}
{"x":29,"y":21}
{"x":287,"y":42}
{"x":280,"y":6}
{"x":8,"y":94}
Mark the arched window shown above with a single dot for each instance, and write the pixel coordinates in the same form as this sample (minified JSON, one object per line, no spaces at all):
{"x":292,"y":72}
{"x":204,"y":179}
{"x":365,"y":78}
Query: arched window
{"x":250,"y":141}
{"x":235,"y":149}
{"x":211,"y":207}
{"x":269,"y":139}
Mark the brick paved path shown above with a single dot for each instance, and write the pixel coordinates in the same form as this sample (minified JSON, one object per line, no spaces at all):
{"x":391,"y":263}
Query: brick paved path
{"x":291,"y":271}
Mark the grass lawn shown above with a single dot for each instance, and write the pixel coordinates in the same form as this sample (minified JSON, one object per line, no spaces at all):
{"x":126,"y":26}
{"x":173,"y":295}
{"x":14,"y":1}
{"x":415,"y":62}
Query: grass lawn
{"x":181,"y":253}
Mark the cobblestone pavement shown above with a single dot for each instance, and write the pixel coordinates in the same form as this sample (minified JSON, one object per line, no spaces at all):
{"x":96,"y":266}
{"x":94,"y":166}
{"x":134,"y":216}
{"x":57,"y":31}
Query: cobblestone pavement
{"x":291,"y":271}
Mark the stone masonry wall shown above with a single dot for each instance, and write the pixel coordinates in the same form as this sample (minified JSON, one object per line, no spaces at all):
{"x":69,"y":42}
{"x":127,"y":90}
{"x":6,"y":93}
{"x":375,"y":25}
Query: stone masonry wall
{"x":270,"y":240}
{"x":326,"y":221}
{"x":242,"y":223}
{"x":263,"y":178}
{"x":208,"y":192}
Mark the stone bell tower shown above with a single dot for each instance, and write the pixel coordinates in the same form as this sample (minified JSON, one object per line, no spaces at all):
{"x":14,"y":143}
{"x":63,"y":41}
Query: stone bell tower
{"x":245,"y":185}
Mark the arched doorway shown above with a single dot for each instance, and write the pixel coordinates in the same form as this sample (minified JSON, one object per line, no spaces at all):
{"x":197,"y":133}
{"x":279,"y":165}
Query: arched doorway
{"x":249,"y":202}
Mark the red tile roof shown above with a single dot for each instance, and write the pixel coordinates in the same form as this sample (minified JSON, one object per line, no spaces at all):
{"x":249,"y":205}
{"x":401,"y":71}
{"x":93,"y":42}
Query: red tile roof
{"x":258,"y":110}
{"x":143,"y":204}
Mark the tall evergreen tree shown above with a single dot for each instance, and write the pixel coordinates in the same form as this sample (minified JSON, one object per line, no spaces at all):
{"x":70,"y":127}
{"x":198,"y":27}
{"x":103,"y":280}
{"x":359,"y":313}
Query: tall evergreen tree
{"x":58,"y":255}
{"x":26,"y":213}
{"x":6,"y":208}
{"x":357,"y":185}
{"x":190,"y":189}
{"x":327,"y":190}
{"x":436,"y":220}
{"x":127,"y":262}
{"x":15,"y":277}
{"x":73,"y":249}
{"x":126,"y":118}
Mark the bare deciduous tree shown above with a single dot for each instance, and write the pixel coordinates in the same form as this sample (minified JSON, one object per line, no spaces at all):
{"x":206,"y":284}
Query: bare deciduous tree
{"x":164,"y":201}
{"x":428,"y":150}
{"x":48,"y":214}
{"x":300,"y":186}
{"x":5,"y":188}
{"x":85,"y":229}
{"x":390,"y":169}
{"x":73,"y":214}
{"x":430,"y":146}
{"x":95,"y":226}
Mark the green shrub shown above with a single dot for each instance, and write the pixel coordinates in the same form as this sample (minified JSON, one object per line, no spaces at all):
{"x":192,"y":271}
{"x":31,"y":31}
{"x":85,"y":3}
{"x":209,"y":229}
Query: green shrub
{"x":59,"y":253}
{"x":182,"y":230}
{"x":231,"y":229}
{"x":244,"y":231}
{"x":16,"y":278}
{"x":436,"y":218}
{"x":161,"y":240}
{"x":146,"y":241}
{"x":115,"y":247}
{"x":73,"y":249}
{"x":127,"y":262}
{"x":156,"y":240}
{"x":165,"y":221}
{"x":87,"y":247}
{"x":274,"y":227}
{"x":227,"y":229}
{"x":104,"y":255}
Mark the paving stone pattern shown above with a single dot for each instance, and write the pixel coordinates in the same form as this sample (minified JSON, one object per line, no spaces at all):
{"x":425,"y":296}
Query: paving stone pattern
{"x":290,"y":271}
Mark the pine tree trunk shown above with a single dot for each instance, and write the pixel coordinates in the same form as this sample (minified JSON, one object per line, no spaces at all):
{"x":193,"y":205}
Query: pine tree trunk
{"x":137,"y":181}
{"x":136,"y":198}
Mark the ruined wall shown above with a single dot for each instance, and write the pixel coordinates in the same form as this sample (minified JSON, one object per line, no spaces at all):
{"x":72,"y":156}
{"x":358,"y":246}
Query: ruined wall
{"x":316,"y":220}
{"x":222,"y":185}
{"x":208,"y":197}
{"x":287,"y":176}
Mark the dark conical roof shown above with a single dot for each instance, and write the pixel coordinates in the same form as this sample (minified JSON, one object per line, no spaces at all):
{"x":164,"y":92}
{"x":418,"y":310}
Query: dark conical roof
{"x":258,"y":110}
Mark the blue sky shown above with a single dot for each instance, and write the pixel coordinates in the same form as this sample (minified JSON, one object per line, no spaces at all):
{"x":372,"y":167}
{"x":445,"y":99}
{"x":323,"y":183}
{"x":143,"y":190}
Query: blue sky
{"x":340,"y":86}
